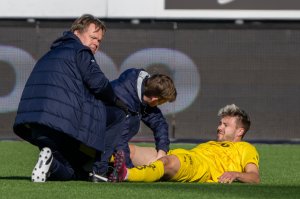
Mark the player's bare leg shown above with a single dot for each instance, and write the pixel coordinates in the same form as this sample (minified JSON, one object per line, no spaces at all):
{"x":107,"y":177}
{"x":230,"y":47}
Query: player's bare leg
{"x":142,"y":155}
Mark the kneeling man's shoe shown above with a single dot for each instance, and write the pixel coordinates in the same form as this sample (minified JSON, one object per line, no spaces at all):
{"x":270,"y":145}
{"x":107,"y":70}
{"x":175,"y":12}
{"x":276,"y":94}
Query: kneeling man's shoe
{"x":93,"y":177}
{"x":40,"y":171}
{"x":120,"y":170}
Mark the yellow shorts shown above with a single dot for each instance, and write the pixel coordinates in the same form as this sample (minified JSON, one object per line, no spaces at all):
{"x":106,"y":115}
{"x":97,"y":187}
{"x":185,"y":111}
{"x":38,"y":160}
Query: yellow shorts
{"x":192,"y":168}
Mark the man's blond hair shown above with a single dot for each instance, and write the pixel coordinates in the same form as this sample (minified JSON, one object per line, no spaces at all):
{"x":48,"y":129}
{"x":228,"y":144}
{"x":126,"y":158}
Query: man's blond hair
{"x":234,"y":111}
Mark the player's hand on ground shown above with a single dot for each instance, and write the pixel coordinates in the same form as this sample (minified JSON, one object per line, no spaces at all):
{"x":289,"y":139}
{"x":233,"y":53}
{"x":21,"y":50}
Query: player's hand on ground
{"x":228,"y":177}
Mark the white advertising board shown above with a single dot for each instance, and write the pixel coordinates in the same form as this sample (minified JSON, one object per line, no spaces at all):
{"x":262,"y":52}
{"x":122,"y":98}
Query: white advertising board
{"x":51,"y":8}
{"x":153,"y":9}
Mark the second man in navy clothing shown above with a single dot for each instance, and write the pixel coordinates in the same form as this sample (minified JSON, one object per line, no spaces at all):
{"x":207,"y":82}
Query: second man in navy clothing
{"x":142,"y":93}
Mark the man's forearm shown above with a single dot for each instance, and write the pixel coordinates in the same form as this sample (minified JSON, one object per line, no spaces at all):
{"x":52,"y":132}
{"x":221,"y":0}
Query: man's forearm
{"x":246,"y":177}
{"x":250,"y":177}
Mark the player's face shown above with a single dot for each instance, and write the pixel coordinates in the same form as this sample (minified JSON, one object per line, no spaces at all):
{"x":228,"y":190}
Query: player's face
{"x":91,"y":37}
{"x":227,"y":129}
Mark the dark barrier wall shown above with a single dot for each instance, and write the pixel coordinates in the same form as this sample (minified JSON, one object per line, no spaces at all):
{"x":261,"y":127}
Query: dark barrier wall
{"x":255,"y":66}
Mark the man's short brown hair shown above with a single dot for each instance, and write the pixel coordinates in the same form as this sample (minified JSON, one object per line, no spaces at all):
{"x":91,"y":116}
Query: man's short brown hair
{"x":84,"y":21}
{"x":160,"y":86}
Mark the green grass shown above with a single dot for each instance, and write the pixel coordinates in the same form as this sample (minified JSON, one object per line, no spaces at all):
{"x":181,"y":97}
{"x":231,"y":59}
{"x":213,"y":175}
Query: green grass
{"x":279,"y":169}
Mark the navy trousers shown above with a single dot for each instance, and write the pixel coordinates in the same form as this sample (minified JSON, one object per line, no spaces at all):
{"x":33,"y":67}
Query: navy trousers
{"x":113,"y":135}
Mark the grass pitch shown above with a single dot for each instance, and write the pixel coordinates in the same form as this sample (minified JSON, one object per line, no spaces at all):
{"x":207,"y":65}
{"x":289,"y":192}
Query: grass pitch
{"x":279,"y":169}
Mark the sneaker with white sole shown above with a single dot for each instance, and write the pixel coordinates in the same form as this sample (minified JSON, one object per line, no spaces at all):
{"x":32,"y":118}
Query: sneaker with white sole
{"x":93,"y":177}
{"x":40,"y":171}
{"x":120,"y":170}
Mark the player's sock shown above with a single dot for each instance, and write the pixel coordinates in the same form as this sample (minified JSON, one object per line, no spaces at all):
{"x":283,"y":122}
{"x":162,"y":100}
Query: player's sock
{"x":146,"y":173}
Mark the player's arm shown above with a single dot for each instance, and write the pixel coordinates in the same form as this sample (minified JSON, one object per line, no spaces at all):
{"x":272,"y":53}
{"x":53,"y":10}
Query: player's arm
{"x":155,"y":120}
{"x":251,"y":175}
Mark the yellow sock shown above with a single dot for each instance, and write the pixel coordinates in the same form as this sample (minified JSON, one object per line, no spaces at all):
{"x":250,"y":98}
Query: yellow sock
{"x":146,"y":173}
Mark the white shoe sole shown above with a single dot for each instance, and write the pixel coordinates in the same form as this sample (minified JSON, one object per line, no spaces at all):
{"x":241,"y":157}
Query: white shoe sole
{"x":98,"y":177}
{"x":41,"y":169}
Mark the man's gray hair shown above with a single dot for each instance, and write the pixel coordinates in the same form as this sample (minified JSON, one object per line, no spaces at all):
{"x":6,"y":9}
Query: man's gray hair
{"x":84,"y":21}
{"x":234,"y":111}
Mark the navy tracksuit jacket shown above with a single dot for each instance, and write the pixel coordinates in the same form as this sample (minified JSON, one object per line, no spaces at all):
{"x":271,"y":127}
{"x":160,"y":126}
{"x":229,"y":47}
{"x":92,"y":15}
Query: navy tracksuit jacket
{"x":129,"y":88}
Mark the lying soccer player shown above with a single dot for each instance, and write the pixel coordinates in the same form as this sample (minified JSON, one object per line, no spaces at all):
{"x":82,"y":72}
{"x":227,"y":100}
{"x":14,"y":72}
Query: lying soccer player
{"x":226,"y":160}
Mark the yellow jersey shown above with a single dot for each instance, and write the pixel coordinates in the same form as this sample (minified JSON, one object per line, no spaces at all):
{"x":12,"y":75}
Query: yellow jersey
{"x":208,"y":161}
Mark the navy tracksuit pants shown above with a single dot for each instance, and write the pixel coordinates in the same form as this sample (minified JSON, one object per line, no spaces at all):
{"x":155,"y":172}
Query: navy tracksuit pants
{"x":68,"y":159}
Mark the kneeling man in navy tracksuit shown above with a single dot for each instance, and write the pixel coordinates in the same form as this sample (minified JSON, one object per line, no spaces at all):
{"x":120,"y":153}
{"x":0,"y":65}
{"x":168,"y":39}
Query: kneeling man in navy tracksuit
{"x":142,"y":93}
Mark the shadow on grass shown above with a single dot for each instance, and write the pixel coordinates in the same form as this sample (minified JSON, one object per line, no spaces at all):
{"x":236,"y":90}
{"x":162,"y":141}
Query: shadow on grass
{"x":15,"y":178}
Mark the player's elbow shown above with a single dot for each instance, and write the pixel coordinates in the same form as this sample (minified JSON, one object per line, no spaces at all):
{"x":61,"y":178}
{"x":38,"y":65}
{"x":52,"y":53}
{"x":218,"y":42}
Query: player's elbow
{"x":257,"y":180}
